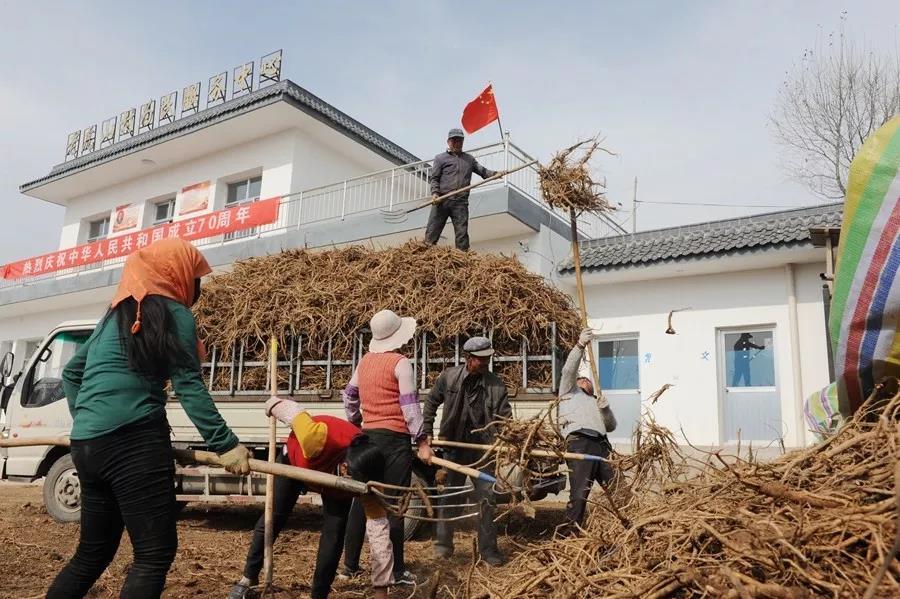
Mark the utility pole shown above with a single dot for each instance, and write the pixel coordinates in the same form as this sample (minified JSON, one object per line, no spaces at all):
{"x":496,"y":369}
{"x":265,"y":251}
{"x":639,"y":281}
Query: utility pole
{"x":634,"y":208}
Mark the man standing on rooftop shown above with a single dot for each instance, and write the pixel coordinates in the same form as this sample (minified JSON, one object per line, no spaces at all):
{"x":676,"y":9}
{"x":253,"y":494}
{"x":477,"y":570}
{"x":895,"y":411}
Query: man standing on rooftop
{"x":452,"y":170}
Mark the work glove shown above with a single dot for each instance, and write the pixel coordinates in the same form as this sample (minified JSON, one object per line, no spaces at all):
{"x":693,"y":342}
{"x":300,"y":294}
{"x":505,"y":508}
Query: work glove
{"x":284,"y":410}
{"x":586,"y":336}
{"x":236,"y":460}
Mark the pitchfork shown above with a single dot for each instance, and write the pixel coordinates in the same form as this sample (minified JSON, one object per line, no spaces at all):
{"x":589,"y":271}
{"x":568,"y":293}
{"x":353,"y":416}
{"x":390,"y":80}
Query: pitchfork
{"x":399,"y":216}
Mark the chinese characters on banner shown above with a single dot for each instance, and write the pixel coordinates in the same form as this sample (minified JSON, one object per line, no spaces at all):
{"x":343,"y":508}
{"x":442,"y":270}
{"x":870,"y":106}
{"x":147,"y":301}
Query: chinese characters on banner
{"x":229,"y":220}
{"x":193,"y":198}
{"x":125,"y":217}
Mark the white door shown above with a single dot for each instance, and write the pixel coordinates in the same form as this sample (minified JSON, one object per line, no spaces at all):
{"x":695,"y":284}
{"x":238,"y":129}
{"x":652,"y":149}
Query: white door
{"x":621,"y":382}
{"x":751,"y":406}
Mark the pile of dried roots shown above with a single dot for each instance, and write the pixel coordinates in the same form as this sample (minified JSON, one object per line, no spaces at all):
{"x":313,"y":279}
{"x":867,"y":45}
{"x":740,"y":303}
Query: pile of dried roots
{"x":330,"y":295}
{"x":818,"y":522}
{"x":511,"y":459}
{"x":566,"y":181}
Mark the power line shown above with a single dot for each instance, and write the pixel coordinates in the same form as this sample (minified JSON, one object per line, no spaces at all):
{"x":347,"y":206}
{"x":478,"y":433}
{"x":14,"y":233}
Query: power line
{"x":720,"y":205}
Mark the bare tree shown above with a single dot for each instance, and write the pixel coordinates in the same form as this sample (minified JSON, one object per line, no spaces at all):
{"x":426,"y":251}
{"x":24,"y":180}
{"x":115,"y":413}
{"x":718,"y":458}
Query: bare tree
{"x":831,"y":101}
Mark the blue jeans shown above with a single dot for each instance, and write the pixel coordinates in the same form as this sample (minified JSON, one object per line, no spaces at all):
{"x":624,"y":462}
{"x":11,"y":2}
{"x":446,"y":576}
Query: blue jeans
{"x":127,"y":482}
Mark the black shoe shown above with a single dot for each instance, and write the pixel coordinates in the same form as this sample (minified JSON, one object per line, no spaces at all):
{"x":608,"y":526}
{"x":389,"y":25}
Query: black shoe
{"x":243,"y":589}
{"x":494,"y":559}
{"x":406,"y":578}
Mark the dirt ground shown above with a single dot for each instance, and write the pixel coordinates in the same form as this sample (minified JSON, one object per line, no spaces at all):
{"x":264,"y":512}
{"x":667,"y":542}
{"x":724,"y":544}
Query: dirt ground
{"x":212,"y":545}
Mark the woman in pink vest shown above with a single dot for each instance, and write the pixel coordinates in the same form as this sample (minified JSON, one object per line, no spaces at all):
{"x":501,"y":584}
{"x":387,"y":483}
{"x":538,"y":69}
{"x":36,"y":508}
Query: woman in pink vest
{"x":382,"y":398}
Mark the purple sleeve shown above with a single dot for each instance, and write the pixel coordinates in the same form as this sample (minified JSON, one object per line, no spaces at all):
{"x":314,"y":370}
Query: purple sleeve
{"x":351,"y":401}
{"x":409,"y":399}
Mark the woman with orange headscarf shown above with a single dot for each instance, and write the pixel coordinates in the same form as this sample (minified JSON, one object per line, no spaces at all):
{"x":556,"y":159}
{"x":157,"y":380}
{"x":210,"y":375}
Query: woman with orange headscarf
{"x":120,"y":444}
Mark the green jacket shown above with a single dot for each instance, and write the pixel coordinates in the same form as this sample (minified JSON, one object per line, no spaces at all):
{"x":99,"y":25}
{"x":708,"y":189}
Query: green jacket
{"x":104,"y":394}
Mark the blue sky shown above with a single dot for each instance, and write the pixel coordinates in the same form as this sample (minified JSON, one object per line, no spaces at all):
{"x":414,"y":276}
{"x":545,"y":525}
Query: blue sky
{"x":681,"y":91}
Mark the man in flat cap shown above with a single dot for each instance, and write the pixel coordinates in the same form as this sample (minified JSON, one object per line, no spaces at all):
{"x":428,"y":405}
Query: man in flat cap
{"x":452,"y":170}
{"x":472,"y":398}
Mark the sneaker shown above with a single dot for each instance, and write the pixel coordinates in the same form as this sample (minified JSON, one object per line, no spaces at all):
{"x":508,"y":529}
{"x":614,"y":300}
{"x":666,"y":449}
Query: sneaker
{"x":493,"y":559}
{"x":348,"y":574}
{"x":405,"y":578}
{"x":242,"y":590}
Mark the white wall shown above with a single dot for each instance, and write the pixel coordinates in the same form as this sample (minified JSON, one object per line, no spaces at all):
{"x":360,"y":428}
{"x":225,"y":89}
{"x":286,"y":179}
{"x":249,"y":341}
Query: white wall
{"x":270,"y":155}
{"x":738,"y":299}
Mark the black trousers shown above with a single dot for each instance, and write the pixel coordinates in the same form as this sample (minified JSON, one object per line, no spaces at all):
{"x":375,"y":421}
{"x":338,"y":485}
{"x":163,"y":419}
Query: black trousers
{"x":583,"y":474}
{"x":398,"y":466}
{"x":331,"y":540}
{"x":483,"y":496}
{"x":127,"y":482}
{"x":457,"y":209}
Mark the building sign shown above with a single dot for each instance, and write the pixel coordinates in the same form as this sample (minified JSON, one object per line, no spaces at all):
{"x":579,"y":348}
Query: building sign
{"x":88,"y":139}
{"x":229,"y":220}
{"x":217,"y":85}
{"x":193,"y":198}
{"x":242,"y":82}
{"x":125,"y":217}
{"x":190,"y":99}
{"x":132,"y":121}
{"x":148,"y":115}
{"x":72,"y":144}
{"x":167,"y":108}
{"x":108,"y":132}
{"x":126,"y":124}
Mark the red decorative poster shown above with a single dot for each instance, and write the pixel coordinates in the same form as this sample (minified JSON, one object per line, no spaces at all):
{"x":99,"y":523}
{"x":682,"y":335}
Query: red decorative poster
{"x":125,"y":217}
{"x":229,"y":220}
{"x":193,"y":198}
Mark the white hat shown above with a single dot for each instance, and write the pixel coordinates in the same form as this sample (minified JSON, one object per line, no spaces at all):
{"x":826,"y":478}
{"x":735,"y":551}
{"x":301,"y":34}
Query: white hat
{"x":389,"y":331}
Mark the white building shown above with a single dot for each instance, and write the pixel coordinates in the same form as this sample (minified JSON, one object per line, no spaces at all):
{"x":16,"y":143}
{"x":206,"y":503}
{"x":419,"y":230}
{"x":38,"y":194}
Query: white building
{"x":756,"y":275}
{"x":333,"y":174}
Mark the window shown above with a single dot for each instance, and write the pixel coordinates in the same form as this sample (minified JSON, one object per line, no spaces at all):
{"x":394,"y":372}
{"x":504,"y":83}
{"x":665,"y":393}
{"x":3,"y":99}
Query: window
{"x":243,"y":191}
{"x":164,"y":211}
{"x":98,"y":229}
{"x":44,"y":385}
{"x":749,"y":359}
{"x":620,"y":380}
{"x":751,"y":406}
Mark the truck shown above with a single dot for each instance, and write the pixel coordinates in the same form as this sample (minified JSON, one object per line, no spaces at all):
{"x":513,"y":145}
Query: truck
{"x":32,"y":404}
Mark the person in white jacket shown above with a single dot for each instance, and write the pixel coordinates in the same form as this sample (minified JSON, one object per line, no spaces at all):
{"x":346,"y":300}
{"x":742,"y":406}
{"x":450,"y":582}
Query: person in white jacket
{"x":584,"y":420}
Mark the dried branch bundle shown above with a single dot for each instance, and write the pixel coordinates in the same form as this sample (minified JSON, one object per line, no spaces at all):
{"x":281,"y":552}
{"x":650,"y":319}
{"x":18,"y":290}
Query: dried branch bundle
{"x":516,"y":470}
{"x":331,"y":295}
{"x":566,"y":181}
{"x":818,"y":522}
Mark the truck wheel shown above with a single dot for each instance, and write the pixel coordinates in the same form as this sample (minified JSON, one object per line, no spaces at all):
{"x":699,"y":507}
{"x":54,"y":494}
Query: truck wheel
{"x":62,"y":491}
{"x":410,"y":525}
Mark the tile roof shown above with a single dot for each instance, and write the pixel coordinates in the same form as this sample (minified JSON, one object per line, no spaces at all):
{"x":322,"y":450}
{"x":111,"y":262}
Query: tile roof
{"x":759,"y":232}
{"x":283,"y":91}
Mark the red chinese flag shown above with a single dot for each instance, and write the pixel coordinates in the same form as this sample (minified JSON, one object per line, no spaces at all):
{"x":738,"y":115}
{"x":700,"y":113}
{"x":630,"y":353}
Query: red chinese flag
{"x":481,"y":111}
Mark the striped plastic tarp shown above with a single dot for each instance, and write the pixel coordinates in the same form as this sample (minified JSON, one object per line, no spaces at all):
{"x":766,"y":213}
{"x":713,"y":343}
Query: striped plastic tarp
{"x":865,"y":308}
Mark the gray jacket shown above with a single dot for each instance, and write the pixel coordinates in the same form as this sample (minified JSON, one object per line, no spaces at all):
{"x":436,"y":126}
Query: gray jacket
{"x":577,"y":409}
{"x":454,"y":171}
{"x":448,"y":390}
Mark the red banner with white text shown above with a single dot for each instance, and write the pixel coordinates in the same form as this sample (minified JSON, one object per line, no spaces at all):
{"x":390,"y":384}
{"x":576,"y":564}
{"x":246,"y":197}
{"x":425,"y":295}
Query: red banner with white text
{"x":229,"y":220}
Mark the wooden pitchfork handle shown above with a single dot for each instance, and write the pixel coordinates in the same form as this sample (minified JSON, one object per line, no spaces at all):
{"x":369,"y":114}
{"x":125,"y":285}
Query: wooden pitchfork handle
{"x":470,"y":472}
{"x":494,"y":177}
{"x":193,"y":456}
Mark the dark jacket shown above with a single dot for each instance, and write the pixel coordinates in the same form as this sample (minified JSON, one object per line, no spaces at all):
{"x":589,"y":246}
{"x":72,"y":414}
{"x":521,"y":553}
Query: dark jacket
{"x":454,"y":171}
{"x":448,"y":390}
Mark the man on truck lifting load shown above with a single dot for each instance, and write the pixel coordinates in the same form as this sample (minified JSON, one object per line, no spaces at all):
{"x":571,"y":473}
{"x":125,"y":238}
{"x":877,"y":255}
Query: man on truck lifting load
{"x":115,"y":386}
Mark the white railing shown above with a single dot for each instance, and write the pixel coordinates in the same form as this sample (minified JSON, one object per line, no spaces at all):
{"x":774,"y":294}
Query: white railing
{"x":387,"y":189}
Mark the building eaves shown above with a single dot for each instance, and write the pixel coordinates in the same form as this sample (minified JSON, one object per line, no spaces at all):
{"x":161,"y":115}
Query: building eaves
{"x":759,"y":232}
{"x":286,"y":90}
